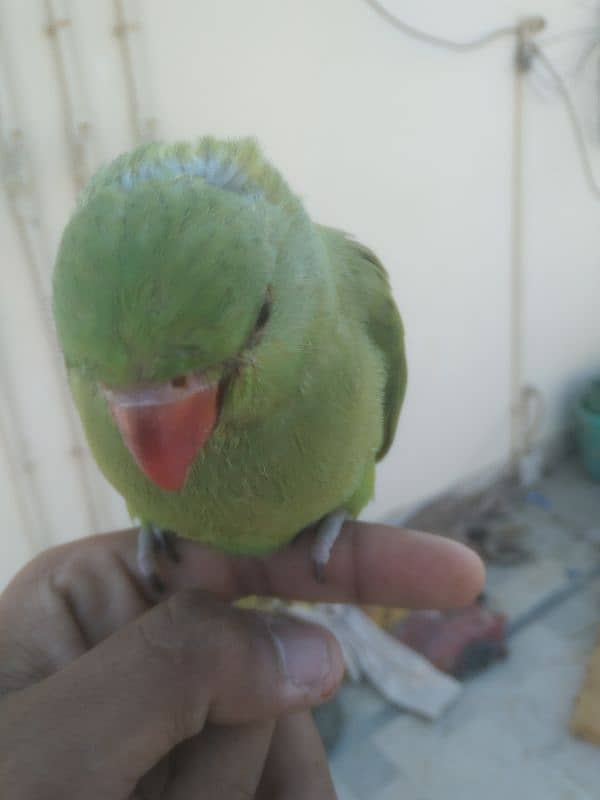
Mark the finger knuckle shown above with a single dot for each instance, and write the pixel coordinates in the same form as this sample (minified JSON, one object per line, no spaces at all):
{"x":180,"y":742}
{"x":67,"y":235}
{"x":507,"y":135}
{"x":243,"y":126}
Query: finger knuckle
{"x":197,"y":643}
{"x":189,"y":629}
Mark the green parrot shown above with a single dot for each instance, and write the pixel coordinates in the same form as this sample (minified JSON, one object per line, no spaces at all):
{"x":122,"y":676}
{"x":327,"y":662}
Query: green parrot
{"x":238,"y":369}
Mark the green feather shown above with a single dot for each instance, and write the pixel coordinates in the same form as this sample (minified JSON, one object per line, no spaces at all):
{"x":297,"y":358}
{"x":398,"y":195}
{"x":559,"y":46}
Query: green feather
{"x":162,"y":271}
{"x":368,"y":286}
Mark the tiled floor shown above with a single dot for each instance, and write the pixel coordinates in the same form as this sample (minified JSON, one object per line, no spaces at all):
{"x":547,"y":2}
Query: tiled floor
{"x":507,"y":736}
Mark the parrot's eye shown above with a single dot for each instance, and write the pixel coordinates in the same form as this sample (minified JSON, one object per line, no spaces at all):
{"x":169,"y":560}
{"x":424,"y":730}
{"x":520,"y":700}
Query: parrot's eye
{"x":264,"y":313}
{"x":180,"y":382}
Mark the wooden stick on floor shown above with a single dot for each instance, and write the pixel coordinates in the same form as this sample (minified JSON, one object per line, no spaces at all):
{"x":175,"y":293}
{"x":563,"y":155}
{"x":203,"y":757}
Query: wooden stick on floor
{"x":585,"y":721}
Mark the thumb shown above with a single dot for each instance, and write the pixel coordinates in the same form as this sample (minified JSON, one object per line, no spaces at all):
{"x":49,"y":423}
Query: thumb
{"x":94,"y":728}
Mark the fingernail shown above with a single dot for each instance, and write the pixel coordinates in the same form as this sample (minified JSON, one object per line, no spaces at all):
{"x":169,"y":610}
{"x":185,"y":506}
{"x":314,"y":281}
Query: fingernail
{"x":305,"y":653}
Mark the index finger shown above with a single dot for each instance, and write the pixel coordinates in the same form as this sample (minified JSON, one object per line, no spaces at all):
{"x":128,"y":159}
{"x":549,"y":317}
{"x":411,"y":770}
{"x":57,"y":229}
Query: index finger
{"x":370,"y":564}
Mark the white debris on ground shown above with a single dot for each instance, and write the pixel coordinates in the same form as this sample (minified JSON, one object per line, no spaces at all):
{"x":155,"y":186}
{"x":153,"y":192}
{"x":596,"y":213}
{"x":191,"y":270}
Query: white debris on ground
{"x":401,"y":676}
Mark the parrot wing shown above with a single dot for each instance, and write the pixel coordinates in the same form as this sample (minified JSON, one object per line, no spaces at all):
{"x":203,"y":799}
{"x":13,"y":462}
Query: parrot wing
{"x":365,"y":278}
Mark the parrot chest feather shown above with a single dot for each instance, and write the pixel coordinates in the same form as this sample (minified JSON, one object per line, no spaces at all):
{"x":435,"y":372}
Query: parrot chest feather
{"x":252,"y":488}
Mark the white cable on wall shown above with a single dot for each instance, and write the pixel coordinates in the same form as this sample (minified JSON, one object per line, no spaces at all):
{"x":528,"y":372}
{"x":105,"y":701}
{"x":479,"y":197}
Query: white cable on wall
{"x":73,"y":95}
{"x":22,"y":198}
{"x":127,"y":29}
{"x":517,"y":444}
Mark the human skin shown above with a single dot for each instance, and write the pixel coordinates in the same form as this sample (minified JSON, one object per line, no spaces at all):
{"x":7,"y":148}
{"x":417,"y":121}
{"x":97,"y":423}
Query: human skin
{"x":110,"y":691}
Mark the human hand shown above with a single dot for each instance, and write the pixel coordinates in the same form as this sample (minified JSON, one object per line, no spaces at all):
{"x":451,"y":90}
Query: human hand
{"x":108,"y":691}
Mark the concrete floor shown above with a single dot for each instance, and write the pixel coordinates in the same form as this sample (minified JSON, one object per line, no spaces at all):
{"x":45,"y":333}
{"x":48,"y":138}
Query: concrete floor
{"x":507,"y":736}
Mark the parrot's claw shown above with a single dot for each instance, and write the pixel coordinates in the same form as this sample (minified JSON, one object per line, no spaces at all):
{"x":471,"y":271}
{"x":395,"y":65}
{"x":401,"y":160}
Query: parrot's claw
{"x":151,"y":542}
{"x":166,"y":542}
{"x":328,"y":531}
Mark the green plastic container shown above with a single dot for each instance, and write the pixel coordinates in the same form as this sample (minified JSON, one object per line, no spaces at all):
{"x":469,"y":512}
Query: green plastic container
{"x":588,"y":429}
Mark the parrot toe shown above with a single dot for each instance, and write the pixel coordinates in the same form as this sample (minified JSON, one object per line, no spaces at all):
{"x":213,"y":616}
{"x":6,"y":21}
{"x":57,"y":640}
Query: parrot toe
{"x":328,"y":530}
{"x":167,"y":543}
{"x":151,"y":542}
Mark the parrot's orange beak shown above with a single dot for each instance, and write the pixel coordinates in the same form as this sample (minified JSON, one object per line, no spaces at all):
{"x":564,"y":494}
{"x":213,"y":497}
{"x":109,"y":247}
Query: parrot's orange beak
{"x":164,"y":427}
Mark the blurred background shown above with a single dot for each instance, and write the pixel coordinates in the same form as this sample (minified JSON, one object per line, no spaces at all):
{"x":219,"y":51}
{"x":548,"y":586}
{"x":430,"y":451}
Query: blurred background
{"x":469,"y":170}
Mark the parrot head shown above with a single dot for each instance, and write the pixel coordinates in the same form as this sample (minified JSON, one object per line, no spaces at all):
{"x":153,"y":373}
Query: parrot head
{"x":168,"y":282}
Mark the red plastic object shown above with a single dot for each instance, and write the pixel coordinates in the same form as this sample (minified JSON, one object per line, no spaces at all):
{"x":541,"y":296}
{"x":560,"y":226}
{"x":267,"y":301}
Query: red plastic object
{"x":457,"y":642}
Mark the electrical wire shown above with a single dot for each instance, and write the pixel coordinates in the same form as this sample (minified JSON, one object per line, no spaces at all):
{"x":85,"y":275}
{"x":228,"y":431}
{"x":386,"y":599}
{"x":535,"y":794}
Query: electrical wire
{"x":522,"y":434}
{"x":577,"y":128}
{"x":524,"y":30}
{"x":535,"y":24}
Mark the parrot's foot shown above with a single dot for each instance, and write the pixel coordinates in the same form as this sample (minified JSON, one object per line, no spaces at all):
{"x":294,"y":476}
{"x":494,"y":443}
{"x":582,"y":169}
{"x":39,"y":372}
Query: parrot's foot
{"x":328,"y":531}
{"x":151,"y":542}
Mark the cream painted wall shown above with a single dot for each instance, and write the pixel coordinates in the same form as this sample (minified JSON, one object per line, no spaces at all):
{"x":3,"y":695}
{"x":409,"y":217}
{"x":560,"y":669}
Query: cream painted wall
{"x":406,"y":146}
